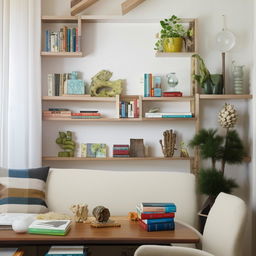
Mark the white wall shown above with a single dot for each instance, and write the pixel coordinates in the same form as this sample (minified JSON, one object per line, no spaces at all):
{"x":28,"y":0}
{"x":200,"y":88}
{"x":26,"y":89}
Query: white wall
{"x":127,"y":50}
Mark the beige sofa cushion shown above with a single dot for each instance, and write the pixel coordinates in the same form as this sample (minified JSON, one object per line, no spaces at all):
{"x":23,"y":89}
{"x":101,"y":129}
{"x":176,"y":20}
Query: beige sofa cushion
{"x":120,"y":191}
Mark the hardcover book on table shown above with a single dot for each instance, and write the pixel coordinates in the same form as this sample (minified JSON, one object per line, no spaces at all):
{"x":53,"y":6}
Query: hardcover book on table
{"x":50,"y":227}
{"x":67,"y":250}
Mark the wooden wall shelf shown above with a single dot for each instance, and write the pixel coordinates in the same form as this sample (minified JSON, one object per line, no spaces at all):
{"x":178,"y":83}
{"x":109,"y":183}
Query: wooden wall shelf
{"x":174,"y":54}
{"x":59,"y":19}
{"x":79,"y":98}
{"x":225,"y":96}
{"x":184,"y":98}
{"x":62,"y":54}
{"x":53,"y":158}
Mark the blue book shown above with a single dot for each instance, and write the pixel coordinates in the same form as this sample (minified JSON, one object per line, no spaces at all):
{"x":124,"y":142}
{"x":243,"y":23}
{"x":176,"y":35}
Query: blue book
{"x":160,"y":204}
{"x":74,"y":39}
{"x":68,"y":39}
{"x":146,"y":83}
{"x":158,"y":226}
{"x":155,"y":221}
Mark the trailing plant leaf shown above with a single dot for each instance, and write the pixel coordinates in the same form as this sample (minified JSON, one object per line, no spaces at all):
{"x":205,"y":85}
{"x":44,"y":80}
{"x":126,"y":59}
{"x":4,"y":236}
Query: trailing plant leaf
{"x":211,"y":182}
{"x":234,"y":150}
{"x":209,"y":142}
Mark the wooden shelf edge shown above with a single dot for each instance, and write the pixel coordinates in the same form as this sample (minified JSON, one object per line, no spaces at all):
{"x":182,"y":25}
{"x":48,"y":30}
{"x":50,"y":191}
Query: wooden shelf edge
{"x":225,"y":96}
{"x":174,"y":54}
{"x":59,"y":19}
{"x":53,"y":158}
{"x":78,"y":98}
{"x":183,"y":98}
{"x":61,"y":54}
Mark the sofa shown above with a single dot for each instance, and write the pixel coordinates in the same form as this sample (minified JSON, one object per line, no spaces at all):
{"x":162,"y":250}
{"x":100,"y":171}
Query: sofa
{"x":120,"y":191}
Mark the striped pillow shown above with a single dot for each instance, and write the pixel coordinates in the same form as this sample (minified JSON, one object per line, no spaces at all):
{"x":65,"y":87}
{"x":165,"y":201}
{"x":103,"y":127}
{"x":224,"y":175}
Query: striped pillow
{"x":23,"y":190}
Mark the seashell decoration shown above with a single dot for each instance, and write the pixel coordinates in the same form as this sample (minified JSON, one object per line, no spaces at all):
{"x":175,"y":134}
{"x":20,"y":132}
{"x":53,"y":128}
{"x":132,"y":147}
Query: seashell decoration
{"x":227,"y":117}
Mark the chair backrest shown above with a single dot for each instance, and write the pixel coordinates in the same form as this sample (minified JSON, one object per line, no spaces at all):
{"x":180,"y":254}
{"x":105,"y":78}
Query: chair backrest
{"x":224,"y":226}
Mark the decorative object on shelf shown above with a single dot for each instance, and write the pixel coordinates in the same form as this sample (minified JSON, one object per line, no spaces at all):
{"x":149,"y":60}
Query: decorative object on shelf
{"x":172,"y":81}
{"x":227,"y":117}
{"x":225,"y":41}
{"x":75,"y":86}
{"x":80,"y":212}
{"x":20,"y":225}
{"x":101,"y":213}
{"x":227,"y":149}
{"x":121,"y":150}
{"x":157,"y":86}
{"x":137,"y":148}
{"x":154,"y":110}
{"x":172,"y":35}
{"x":102,"y":87}
{"x":183,"y":150}
{"x":133,"y":216}
{"x":238,"y":78}
{"x":96,"y":150}
{"x":53,"y":216}
{"x":65,"y":142}
{"x":212,"y":83}
{"x":168,"y":146}
{"x":83,"y":150}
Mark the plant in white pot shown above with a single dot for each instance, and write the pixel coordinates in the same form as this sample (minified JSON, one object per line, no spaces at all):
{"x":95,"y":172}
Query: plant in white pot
{"x":171,"y":35}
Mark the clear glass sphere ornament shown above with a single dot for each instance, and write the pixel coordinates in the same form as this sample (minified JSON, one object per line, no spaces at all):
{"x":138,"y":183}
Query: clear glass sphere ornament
{"x":225,"y":41}
{"x":172,"y":81}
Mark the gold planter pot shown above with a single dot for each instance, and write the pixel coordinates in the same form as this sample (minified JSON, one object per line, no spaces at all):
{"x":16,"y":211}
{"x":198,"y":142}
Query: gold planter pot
{"x":173,"y":44}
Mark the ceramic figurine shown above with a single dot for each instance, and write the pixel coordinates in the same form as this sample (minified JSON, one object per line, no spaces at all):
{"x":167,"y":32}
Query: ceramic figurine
{"x":238,"y":77}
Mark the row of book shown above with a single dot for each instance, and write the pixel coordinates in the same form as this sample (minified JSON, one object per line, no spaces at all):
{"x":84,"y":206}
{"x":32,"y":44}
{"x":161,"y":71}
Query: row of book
{"x":129,"y":109}
{"x":121,"y":150}
{"x":54,"y":113}
{"x":64,"y":40}
{"x":169,"y":115}
{"x":156,"y":216}
{"x":152,"y":86}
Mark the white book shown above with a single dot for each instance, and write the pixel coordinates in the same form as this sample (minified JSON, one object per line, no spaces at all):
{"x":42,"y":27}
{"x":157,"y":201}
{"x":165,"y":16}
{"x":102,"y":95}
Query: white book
{"x":50,"y":224}
{"x":66,"y":249}
{"x":8,"y":251}
{"x":50,"y":84}
{"x":160,"y":114}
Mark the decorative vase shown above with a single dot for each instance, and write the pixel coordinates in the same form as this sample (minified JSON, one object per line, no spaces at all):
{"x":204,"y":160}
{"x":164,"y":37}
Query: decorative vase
{"x":173,"y":44}
{"x":238,"y":78}
{"x":214,"y":85}
{"x":172,"y":81}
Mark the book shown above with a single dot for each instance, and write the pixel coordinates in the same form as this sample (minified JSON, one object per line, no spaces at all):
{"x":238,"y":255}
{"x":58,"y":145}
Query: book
{"x":158,"y":204}
{"x":157,"y":227}
{"x":145,"y":216}
{"x":172,"y":94}
{"x":154,"y":221}
{"x":121,"y":155}
{"x":86,"y":114}
{"x":159,"y":209}
{"x":120,"y":152}
{"x":68,"y":250}
{"x":170,"y":114}
{"x":50,"y":227}
{"x":86,"y":117}
{"x":176,"y":116}
{"x":89,"y":111}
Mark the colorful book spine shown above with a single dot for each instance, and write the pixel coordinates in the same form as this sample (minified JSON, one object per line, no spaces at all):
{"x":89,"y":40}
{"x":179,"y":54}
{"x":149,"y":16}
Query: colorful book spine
{"x":145,"y":216}
{"x":176,"y":116}
{"x":120,"y":152}
{"x":158,"y":209}
{"x":86,"y":114}
{"x":157,"y":227}
{"x":158,"y":204}
{"x":50,"y":82}
{"x":155,"y":221}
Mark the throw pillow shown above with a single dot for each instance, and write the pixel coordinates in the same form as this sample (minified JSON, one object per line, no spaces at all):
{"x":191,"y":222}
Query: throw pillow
{"x":23,"y":190}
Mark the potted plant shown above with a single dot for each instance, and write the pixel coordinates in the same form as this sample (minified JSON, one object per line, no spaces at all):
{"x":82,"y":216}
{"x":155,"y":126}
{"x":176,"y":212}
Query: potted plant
{"x":171,"y":35}
{"x":222,"y":150}
{"x":212,"y":83}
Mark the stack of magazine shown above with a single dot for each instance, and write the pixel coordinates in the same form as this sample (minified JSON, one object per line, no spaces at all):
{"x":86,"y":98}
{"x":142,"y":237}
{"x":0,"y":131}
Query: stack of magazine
{"x":66,"y":251}
{"x":50,"y":227}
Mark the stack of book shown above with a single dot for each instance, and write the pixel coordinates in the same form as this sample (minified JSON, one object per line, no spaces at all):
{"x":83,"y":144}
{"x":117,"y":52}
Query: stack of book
{"x":129,"y":109}
{"x":50,"y":227}
{"x":121,"y":150}
{"x":172,"y":94}
{"x":54,"y":113}
{"x":90,"y":114}
{"x":65,"y":40}
{"x":169,"y":115}
{"x":156,"y":216}
{"x":69,"y":250}
{"x":57,"y":84}
{"x":152,"y":86}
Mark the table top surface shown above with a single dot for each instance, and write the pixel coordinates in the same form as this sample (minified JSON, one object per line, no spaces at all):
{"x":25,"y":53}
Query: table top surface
{"x":82,"y":233}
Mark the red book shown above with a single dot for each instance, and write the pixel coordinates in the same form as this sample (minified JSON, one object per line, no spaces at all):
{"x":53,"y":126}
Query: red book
{"x":136,"y":112}
{"x":85,"y":114}
{"x":121,"y":145}
{"x":172,"y":94}
{"x":146,"y":216}
{"x":120,"y":152}
{"x":150,"y":85}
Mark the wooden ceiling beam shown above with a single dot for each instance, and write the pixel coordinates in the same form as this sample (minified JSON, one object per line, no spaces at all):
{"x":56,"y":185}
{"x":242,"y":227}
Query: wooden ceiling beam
{"x":81,"y":6}
{"x":129,"y":5}
{"x":74,"y":2}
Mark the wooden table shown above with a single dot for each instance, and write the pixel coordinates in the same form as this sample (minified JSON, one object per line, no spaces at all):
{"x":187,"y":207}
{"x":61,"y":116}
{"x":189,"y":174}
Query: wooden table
{"x":129,"y":233}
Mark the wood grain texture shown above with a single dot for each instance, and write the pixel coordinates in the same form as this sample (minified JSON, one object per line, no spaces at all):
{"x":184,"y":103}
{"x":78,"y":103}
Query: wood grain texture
{"x":82,"y":233}
{"x":81,"y":6}
{"x":225,"y":96}
{"x":129,"y":5}
{"x":74,"y":2}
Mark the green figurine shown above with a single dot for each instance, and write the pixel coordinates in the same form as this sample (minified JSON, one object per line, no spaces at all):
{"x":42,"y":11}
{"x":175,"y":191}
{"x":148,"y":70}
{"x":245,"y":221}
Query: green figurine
{"x":65,"y":142}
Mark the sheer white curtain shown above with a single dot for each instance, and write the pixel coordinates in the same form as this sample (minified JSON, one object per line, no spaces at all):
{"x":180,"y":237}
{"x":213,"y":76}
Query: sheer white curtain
{"x":20,"y":105}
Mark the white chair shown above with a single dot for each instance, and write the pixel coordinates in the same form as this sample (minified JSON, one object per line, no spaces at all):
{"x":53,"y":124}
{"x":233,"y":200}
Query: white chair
{"x":222,"y":233}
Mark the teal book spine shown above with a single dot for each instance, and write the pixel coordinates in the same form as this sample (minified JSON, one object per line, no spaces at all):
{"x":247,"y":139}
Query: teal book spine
{"x":161,"y":220}
{"x":176,"y":116}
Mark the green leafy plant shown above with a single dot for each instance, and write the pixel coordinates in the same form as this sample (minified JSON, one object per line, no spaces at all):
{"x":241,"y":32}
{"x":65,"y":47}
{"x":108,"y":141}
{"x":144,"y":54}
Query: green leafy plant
{"x":171,"y":28}
{"x":222,"y":149}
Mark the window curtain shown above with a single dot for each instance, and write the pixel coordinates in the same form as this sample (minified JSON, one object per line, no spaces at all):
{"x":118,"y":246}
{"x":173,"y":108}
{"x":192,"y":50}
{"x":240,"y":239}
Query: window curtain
{"x":20,"y":83}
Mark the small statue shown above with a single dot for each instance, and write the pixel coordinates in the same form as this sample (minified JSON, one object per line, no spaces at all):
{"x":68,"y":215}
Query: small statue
{"x":80,"y":212}
{"x":65,"y":142}
{"x":102,"y":87}
{"x":169,"y":143}
{"x":101,"y":213}
{"x":183,"y":150}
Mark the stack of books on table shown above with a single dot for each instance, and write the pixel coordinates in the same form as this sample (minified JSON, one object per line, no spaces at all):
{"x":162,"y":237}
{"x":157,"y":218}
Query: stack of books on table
{"x":156,"y":216}
{"x":90,"y":114}
{"x":53,"y":113}
{"x":121,"y":150}
{"x":50,"y":227}
{"x":169,"y":115}
{"x":68,"y":250}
